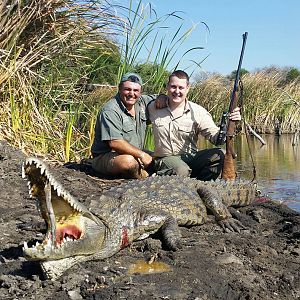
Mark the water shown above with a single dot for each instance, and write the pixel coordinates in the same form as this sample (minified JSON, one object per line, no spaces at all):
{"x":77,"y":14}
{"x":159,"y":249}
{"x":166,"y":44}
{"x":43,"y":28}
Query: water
{"x":277,"y":166}
{"x":144,"y":267}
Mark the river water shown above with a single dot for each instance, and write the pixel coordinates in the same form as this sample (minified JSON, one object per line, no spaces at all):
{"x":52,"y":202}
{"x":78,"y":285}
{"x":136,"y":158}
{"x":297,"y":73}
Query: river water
{"x":277,"y":166}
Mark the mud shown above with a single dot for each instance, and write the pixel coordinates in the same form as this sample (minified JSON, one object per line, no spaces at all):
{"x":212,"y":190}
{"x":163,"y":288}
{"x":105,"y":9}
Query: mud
{"x":262,"y":262}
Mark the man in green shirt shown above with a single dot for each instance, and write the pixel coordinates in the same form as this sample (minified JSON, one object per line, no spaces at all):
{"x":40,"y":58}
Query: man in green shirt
{"x":117,"y":149}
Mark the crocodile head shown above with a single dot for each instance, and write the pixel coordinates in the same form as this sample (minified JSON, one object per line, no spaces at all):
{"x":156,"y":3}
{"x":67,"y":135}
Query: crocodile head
{"x":73,"y":232}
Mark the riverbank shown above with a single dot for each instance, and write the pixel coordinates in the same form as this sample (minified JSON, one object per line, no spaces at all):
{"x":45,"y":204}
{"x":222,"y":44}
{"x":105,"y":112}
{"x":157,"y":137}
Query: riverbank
{"x":262,"y":262}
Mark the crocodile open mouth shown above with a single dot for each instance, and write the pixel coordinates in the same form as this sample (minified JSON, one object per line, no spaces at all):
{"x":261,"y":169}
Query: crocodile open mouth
{"x":69,"y":223}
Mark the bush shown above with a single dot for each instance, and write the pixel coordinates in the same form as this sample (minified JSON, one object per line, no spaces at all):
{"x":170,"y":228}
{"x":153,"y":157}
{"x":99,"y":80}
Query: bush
{"x":292,"y":74}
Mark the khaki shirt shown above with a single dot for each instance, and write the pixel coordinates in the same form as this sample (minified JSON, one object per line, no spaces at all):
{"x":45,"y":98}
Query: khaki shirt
{"x":114,"y":122}
{"x":173,"y":136}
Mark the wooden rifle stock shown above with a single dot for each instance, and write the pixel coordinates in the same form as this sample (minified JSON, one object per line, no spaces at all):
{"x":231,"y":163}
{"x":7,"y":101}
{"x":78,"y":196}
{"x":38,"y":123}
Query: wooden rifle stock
{"x":229,"y":170}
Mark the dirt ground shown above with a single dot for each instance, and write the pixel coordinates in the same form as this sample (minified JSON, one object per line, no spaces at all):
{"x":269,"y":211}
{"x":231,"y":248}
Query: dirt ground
{"x":262,"y":262}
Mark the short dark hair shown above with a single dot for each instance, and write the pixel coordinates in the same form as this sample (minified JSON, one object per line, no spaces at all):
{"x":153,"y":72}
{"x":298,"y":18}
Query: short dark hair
{"x":180,"y":74}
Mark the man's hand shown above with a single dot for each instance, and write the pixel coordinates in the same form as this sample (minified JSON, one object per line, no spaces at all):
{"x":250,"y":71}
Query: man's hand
{"x":145,"y":159}
{"x":161,"y":101}
{"x":235,"y":115}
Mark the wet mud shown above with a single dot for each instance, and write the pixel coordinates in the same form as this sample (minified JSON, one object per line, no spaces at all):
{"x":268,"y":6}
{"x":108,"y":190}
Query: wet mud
{"x":261,"y":262}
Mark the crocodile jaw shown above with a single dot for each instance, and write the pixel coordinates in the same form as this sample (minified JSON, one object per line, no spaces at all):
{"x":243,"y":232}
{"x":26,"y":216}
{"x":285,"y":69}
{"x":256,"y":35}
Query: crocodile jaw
{"x":53,"y":269}
{"x":72,"y":229}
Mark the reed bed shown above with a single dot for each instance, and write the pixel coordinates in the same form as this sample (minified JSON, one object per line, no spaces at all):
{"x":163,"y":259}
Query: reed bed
{"x":60,"y":60}
{"x":268,"y":106}
{"x":53,"y":55}
{"x":45,"y":55}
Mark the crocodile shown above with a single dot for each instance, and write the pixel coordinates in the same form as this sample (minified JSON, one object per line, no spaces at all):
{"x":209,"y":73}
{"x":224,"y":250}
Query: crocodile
{"x":124,"y":213}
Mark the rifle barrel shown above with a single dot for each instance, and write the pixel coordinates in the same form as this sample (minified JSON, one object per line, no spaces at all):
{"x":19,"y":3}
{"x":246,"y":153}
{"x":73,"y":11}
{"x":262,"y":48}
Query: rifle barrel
{"x":237,"y":75}
{"x":228,"y":172}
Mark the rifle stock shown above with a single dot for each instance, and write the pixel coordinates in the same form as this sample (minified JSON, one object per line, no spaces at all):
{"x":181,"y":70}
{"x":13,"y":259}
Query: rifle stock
{"x":229,"y":169}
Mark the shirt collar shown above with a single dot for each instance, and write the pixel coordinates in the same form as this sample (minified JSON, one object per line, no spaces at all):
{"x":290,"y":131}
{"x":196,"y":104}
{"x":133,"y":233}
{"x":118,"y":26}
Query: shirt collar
{"x":187,"y":106}
{"x":121,"y":104}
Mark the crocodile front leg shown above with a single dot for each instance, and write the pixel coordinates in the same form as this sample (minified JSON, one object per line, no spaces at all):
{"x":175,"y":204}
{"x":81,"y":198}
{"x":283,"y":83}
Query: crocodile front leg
{"x":214,"y":203}
{"x":171,"y":234}
{"x":151,"y":221}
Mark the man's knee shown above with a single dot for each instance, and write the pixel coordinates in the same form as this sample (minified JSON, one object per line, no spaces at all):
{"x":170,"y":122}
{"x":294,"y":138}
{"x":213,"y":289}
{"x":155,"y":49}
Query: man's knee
{"x":183,"y":170}
{"x":208,"y":164}
{"x":126,"y":162}
{"x":127,"y":166}
{"x":217,"y":156}
{"x":172,"y":165}
{"x":112,"y":164}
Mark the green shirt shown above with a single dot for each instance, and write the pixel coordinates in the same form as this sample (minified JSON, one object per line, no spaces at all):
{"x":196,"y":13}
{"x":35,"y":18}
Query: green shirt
{"x":114,"y":122}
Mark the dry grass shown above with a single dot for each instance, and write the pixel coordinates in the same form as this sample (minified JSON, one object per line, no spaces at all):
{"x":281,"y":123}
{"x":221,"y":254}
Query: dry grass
{"x":45,"y":104}
{"x":268,"y":106}
{"x":44,"y":108}
{"x":42,"y":60}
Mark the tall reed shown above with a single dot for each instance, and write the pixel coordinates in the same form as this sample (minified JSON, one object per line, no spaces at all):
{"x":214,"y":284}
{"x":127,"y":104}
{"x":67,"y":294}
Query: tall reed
{"x":147,"y":32}
{"x":45,"y":48}
{"x":268,"y":106}
{"x":52,"y":51}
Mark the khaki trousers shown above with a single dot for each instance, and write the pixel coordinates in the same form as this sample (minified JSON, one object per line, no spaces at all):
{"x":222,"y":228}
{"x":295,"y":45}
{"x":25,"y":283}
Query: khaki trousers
{"x":204,"y":165}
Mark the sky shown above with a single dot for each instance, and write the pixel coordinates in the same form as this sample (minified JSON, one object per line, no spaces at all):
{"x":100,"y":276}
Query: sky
{"x":273,"y":28}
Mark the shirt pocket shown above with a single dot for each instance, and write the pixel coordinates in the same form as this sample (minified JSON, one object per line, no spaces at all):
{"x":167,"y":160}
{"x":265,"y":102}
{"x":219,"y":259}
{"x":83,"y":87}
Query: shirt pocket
{"x":161,"y":131}
{"x":184,"y":130}
{"x":128,"y":127}
{"x":143,"y":116}
{"x":160,"y":122}
{"x":186,"y":127}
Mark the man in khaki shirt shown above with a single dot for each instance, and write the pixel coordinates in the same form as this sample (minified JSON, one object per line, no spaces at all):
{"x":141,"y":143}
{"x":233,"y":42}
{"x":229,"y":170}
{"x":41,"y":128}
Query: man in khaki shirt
{"x":176,"y":129}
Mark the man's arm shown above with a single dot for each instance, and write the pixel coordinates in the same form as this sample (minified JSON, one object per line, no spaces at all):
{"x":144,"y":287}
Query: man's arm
{"x":123,"y":147}
{"x":160,"y":100}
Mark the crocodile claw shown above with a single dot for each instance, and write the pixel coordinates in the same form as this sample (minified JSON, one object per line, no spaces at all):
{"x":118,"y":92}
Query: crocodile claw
{"x":231,"y":225}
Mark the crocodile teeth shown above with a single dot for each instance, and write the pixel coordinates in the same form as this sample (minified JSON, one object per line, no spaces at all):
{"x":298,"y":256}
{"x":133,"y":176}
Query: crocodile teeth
{"x":42,"y":169}
{"x":30,"y":191}
{"x":52,"y":182}
{"x":74,"y":206}
{"x":68,"y":198}
{"x":58,"y":191}
{"x":25,"y":245}
{"x":23,"y":171}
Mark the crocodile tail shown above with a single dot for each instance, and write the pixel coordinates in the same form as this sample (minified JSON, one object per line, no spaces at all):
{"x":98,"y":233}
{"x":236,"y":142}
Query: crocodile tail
{"x":238,"y":194}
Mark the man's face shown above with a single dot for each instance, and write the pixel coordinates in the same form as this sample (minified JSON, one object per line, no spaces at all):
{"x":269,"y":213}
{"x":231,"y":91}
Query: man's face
{"x":177,"y":89}
{"x":129,"y":93}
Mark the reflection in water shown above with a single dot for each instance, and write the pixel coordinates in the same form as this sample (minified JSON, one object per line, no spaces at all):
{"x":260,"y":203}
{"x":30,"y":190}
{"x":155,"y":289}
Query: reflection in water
{"x":277,"y":166}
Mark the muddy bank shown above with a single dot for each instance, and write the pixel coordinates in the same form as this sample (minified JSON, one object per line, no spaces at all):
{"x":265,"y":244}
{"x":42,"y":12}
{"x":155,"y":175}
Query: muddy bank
{"x":263,"y":262}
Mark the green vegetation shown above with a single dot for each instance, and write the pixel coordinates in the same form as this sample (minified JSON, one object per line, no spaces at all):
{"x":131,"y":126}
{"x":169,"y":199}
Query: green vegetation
{"x":292,"y":75}
{"x":61,"y":60}
{"x":50,"y":51}
{"x":242,"y":73}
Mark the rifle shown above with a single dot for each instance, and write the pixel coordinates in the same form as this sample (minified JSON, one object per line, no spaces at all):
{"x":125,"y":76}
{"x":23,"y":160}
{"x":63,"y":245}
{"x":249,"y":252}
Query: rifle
{"x":227,"y":127}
